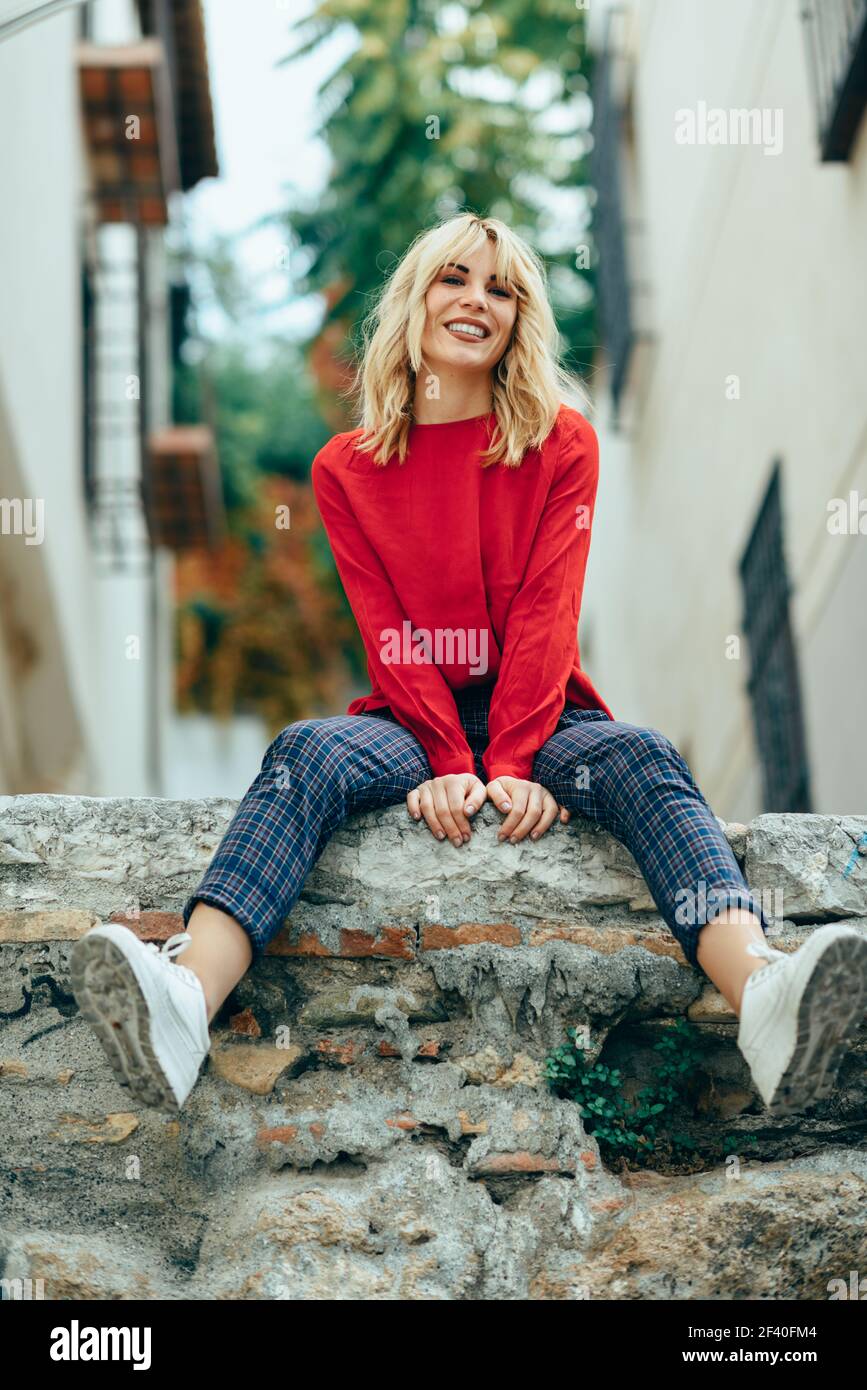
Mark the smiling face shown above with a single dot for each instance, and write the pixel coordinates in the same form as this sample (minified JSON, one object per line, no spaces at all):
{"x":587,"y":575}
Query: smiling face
{"x":470,"y":316}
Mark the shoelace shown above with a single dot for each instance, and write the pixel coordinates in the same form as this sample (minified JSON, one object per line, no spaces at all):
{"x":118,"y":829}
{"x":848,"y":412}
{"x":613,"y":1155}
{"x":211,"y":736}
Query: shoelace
{"x":173,"y":947}
{"x":769,"y":953}
{"x":761,"y":948}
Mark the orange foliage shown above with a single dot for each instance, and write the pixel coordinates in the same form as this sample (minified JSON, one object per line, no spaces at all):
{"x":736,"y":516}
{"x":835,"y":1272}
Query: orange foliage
{"x":280,"y":622}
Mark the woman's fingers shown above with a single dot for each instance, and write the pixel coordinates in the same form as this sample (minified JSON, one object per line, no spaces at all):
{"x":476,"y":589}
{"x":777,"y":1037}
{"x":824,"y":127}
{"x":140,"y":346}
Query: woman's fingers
{"x":445,"y":803}
{"x":499,"y":795}
{"x":429,"y":811}
{"x":531,"y":817}
{"x":420,"y":805}
{"x":533,"y":811}
{"x":449,"y":806}
{"x":550,"y":809}
{"x":475,"y":794}
{"x":520,"y":798}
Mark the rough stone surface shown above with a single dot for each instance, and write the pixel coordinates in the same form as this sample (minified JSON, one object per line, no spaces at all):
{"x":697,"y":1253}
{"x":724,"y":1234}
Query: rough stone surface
{"x":373,"y":1120}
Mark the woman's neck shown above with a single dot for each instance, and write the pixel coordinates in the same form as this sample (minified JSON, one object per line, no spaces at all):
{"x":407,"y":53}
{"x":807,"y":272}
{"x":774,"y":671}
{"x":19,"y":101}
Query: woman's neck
{"x":463,"y":400}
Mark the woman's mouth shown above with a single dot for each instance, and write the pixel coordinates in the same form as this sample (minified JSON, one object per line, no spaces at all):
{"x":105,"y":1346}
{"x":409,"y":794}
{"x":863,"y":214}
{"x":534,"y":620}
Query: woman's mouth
{"x":472,"y":332}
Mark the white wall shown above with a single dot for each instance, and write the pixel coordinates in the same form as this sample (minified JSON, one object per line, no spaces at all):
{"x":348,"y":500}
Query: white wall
{"x":207,"y":757}
{"x":94,"y":715}
{"x":40,"y":179}
{"x":756,"y":263}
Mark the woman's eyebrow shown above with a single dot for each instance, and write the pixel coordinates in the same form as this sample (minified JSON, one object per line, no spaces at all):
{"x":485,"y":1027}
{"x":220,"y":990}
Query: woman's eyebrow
{"x":465,"y":269}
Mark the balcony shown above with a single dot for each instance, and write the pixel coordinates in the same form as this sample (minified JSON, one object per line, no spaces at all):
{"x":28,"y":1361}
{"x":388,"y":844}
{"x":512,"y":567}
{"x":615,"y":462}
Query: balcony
{"x":133,"y":167}
{"x":182,"y":492}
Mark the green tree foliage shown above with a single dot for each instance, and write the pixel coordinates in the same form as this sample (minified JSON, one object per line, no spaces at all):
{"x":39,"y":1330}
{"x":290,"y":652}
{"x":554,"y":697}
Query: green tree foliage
{"x":441,"y":107}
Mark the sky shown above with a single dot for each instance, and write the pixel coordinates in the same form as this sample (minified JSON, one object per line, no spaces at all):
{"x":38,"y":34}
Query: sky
{"x":265,"y":119}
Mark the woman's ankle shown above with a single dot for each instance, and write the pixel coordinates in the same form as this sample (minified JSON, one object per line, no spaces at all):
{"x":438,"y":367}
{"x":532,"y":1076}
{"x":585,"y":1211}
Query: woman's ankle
{"x":758,"y":965}
{"x":219,"y":954}
{"x":723,"y":955}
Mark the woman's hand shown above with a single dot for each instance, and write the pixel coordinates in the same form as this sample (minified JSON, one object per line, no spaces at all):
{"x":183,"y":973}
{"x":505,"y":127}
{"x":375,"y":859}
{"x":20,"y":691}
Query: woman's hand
{"x":446,"y":802}
{"x":531,"y":808}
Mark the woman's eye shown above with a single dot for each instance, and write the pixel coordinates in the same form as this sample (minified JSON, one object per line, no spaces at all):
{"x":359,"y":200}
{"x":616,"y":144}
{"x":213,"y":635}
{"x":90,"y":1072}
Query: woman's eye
{"x":456,"y":280}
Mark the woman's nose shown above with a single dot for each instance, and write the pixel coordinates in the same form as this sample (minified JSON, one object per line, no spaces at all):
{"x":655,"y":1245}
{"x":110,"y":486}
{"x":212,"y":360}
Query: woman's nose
{"x":474,"y":296}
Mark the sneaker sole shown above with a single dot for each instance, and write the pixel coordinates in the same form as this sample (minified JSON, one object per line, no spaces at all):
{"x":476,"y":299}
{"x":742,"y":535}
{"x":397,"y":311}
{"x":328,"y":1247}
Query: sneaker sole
{"x":110,"y":997}
{"x":828,"y":1023}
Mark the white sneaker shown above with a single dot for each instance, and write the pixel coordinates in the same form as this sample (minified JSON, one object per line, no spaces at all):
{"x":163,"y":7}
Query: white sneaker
{"x":800,"y":1014}
{"x":149,"y":1014}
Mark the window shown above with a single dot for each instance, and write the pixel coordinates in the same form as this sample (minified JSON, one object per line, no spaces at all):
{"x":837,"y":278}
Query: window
{"x":773,"y":685}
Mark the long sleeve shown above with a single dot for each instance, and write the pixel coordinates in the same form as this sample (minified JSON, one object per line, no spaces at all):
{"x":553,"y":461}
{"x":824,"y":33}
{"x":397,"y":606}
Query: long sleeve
{"x":541,"y":632}
{"x":418,"y":694}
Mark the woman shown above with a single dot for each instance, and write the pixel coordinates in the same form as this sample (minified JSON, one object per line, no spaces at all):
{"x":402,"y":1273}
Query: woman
{"x":459,"y":514}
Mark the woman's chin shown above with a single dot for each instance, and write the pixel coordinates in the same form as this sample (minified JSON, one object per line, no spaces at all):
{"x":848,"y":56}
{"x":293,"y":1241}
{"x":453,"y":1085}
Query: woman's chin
{"x":459,"y":355}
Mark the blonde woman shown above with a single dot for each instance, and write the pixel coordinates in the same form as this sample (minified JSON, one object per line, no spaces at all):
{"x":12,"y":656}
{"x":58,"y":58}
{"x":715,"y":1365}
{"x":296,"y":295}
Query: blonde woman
{"x":459,"y":513}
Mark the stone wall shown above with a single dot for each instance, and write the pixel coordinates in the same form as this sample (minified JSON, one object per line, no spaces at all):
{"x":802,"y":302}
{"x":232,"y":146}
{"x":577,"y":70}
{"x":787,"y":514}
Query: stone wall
{"x":374,"y":1119}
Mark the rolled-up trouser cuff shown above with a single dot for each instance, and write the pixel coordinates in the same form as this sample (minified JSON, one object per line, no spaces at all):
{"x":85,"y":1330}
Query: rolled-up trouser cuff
{"x":718,"y":900}
{"x":236,"y":907}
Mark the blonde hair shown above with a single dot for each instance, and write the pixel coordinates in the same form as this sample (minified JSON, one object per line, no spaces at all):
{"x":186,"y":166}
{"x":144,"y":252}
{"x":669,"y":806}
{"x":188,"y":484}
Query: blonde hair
{"x":529,"y":384}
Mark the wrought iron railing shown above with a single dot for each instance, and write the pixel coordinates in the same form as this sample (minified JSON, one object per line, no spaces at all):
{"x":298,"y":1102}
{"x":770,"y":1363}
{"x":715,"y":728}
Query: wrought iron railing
{"x":614,"y":308}
{"x":116,"y":426}
{"x":836,"y":37}
{"x":774,"y":685}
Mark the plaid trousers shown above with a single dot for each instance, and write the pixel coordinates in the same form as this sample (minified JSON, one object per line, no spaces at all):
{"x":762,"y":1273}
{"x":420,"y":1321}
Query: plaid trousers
{"x":629,"y":779}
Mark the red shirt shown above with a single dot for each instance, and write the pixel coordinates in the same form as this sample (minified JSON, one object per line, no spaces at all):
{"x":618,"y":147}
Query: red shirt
{"x":451,"y":568}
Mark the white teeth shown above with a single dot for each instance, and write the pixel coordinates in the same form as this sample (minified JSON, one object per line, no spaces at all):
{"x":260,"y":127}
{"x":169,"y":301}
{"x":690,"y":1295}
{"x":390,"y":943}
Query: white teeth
{"x":467,"y":328}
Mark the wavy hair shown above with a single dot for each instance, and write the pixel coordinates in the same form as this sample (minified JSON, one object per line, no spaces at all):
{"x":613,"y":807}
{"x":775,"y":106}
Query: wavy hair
{"x":529,"y":384}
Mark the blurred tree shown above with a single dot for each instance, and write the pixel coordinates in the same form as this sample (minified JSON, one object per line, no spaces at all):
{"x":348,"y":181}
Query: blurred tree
{"x":263,"y":409}
{"x":441,"y":107}
{"x":261,"y":620}
{"x":261,"y":625}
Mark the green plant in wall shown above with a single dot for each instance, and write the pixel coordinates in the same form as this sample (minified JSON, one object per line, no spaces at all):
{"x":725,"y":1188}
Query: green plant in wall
{"x":735,"y":1144}
{"x":622,"y":1125}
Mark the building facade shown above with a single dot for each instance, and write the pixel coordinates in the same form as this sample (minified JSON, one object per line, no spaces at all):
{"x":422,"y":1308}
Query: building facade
{"x":726,"y":602}
{"x":106,"y":114}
